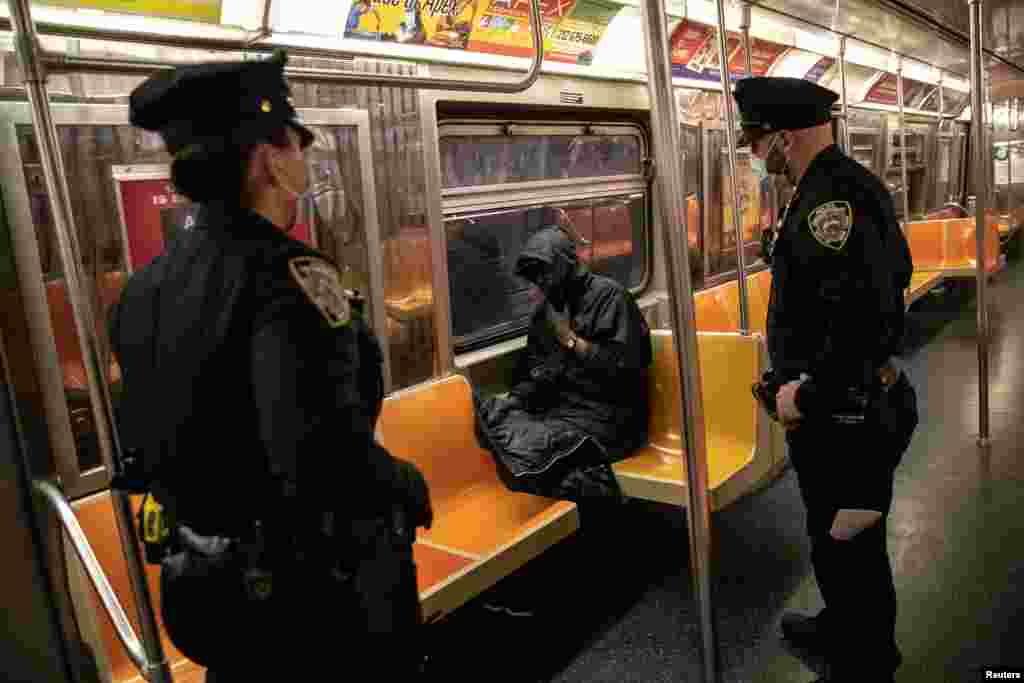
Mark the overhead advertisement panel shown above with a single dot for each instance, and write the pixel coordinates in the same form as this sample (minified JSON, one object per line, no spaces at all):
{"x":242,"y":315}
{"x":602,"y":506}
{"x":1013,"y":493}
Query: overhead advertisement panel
{"x":822,"y":72}
{"x":572,"y":28}
{"x":695,"y":53}
{"x":194,"y":10}
{"x":884,"y":91}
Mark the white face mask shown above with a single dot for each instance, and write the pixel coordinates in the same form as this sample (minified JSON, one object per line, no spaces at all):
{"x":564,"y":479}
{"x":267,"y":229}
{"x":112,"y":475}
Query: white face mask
{"x":759,"y":166}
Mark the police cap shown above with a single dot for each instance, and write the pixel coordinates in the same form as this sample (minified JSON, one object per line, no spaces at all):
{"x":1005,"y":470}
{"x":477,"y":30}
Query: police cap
{"x":239,"y":102}
{"x":770,"y":104}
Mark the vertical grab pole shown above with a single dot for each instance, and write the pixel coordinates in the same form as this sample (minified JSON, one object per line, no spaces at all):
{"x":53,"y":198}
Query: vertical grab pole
{"x":942,"y":126}
{"x":672,"y":208}
{"x":846,"y":111}
{"x":982,"y":157}
{"x":903,"y":146}
{"x":28,"y":50}
{"x":730,"y":141}
{"x":745,"y":33}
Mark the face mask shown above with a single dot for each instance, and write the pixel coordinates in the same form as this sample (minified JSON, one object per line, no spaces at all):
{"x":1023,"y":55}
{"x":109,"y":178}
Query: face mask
{"x":295,"y":196}
{"x":758,"y":167}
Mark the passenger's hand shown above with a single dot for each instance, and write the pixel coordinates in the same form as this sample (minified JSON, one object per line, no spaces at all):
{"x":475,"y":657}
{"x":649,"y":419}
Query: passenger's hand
{"x":560,"y":324}
{"x":413,"y":486}
{"x":785,"y":401}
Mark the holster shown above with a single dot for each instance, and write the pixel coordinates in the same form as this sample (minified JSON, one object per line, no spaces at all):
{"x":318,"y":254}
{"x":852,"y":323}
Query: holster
{"x":765,"y":392}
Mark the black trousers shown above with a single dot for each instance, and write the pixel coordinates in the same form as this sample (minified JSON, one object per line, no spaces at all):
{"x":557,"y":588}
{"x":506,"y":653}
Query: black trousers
{"x":316,"y":625}
{"x":851,"y":466}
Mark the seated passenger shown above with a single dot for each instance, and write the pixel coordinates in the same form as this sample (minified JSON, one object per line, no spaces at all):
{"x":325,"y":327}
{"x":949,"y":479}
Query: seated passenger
{"x":579,"y":400}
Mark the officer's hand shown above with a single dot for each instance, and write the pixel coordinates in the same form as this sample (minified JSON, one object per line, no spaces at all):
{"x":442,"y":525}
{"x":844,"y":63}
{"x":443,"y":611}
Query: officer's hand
{"x":560,"y":324}
{"x":413,"y":486}
{"x":785,"y":401}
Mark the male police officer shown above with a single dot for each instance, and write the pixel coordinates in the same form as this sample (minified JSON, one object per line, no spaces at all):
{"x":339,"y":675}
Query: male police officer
{"x":839,"y":263}
{"x":251,"y":389}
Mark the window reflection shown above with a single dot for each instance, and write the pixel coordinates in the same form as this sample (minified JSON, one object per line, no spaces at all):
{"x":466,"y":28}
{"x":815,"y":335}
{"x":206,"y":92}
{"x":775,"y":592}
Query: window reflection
{"x":468,"y":161}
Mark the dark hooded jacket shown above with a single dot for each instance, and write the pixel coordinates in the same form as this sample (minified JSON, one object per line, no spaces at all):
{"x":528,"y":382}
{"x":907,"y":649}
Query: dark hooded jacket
{"x":560,"y":401}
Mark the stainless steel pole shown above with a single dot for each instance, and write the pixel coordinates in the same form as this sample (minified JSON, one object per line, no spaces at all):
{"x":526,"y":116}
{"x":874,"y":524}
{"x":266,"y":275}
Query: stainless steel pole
{"x":745,"y":33}
{"x":981,"y":176}
{"x":846,"y":110}
{"x":27,"y":47}
{"x":730,"y":142}
{"x":903,"y":145}
{"x":1009,"y":161}
{"x":671,"y":197}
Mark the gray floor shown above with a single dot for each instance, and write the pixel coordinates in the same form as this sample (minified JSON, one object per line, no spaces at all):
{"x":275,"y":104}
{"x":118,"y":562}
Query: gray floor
{"x":956,"y":539}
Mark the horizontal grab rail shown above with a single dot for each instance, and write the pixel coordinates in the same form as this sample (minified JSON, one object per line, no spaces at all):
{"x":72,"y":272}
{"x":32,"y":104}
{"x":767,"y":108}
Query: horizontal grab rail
{"x":124,"y":629}
{"x":60,"y":63}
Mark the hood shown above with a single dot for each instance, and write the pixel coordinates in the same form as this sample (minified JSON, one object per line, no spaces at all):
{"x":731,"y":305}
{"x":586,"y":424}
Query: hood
{"x":553,"y":246}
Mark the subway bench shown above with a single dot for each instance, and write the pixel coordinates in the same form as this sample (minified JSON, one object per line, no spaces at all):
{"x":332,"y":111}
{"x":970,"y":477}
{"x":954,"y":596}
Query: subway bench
{"x":950,"y":247}
{"x":744,"y":447}
{"x":483,"y":532}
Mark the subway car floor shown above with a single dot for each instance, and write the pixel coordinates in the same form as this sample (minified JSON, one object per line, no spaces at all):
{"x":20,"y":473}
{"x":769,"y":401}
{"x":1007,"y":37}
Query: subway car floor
{"x":622,"y":609}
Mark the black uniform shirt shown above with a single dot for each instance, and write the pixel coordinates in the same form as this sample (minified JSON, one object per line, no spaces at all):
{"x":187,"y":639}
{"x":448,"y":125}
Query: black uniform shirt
{"x":836,"y":308}
{"x":243,"y":365}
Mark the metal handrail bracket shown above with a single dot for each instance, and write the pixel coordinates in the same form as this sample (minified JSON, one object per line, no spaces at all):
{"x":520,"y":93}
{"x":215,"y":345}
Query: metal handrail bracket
{"x":123,"y":627}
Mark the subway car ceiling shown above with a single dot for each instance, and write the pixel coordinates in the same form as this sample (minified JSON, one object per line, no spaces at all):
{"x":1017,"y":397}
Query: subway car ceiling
{"x":585,"y":38}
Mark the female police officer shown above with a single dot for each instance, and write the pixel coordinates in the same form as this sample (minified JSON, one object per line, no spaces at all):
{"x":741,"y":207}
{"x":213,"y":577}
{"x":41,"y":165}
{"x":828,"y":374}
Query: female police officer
{"x":840,"y":264}
{"x":251,"y":388}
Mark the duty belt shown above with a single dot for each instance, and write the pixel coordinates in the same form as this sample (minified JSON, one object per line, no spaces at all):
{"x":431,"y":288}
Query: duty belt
{"x":858,"y":397}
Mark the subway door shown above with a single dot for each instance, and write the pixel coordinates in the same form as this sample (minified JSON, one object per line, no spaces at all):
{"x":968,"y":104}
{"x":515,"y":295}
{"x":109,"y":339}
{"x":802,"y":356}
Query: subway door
{"x":340,"y":218}
{"x":40,"y":632}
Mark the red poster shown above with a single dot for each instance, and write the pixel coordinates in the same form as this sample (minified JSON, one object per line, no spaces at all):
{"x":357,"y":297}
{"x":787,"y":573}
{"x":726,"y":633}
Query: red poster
{"x":762,"y":55}
{"x":154,"y":214}
{"x":884,"y":91}
{"x":687,"y":39}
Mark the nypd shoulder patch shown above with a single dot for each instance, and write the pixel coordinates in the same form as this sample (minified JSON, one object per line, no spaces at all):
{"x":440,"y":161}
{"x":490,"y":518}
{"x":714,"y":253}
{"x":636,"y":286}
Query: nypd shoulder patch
{"x":831,"y":224}
{"x":321,"y":283}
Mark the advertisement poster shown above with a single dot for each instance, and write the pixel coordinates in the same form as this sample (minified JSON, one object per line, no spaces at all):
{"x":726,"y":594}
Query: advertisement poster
{"x":884,"y":91}
{"x":504,"y":26}
{"x":821,"y":68}
{"x":194,"y":10}
{"x":762,"y":55}
{"x":576,"y":36}
{"x":438,"y":23}
{"x":153,"y":215}
{"x":695,"y":51}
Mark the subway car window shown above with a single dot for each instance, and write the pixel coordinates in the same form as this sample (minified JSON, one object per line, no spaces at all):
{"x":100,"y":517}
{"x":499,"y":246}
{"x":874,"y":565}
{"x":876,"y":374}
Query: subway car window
{"x":477,"y":160}
{"x":603,"y":203}
{"x":489,"y":302}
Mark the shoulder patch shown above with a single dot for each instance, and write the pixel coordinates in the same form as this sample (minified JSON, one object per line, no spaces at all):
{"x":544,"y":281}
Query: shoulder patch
{"x":321,"y":283}
{"x":831,"y":224}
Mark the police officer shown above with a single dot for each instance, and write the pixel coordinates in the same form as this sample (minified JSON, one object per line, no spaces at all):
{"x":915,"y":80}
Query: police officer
{"x":251,"y":388}
{"x":839,"y":264}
